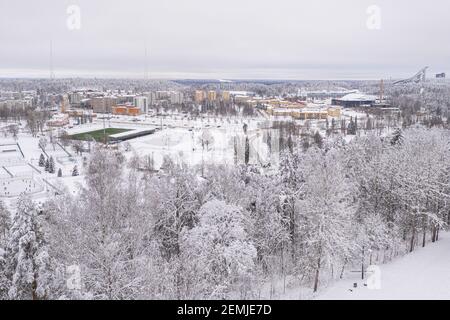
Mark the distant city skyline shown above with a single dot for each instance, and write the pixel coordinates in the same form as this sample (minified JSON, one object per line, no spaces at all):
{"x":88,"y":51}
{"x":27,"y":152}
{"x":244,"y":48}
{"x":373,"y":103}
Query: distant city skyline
{"x":174,"y":39}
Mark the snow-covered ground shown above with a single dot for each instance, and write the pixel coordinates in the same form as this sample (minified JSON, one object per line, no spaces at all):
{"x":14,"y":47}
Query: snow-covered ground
{"x":178,"y":137}
{"x":20,"y":171}
{"x":421,"y":275}
{"x":183,"y":145}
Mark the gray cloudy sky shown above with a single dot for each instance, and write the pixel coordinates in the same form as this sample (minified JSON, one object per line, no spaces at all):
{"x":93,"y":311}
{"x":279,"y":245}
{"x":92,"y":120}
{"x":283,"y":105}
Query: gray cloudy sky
{"x":270,"y":39}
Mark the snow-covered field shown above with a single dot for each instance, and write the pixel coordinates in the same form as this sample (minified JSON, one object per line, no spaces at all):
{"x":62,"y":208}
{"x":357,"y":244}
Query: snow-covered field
{"x":22,"y":174}
{"x":177,"y":137}
{"x":13,"y":187}
{"x":421,"y":275}
{"x":21,"y":171}
{"x":185,"y":146}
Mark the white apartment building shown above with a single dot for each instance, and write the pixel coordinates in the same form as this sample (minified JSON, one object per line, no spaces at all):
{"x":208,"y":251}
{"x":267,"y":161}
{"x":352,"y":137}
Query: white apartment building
{"x":176,"y":97}
{"x":141,"y":103}
{"x":151,"y":98}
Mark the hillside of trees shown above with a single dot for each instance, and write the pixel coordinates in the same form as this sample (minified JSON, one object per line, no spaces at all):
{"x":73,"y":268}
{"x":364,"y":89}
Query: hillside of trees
{"x":229,"y":231}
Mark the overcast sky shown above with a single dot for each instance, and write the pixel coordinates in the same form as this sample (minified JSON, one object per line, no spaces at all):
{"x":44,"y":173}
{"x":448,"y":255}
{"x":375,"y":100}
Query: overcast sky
{"x":251,"y":39}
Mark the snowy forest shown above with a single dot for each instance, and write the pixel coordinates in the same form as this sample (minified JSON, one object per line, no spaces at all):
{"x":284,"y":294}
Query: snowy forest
{"x":227,"y":232}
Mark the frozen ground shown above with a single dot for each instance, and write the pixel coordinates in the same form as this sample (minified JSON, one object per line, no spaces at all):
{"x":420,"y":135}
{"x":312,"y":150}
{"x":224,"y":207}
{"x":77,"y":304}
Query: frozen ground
{"x":421,"y":275}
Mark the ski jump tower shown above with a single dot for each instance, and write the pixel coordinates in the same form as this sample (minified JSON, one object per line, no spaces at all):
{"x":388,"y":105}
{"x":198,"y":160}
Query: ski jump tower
{"x":419,"y":77}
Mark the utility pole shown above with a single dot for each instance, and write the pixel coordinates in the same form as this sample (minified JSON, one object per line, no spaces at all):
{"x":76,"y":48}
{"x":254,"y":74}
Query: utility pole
{"x":145,"y":62}
{"x":52,"y":74}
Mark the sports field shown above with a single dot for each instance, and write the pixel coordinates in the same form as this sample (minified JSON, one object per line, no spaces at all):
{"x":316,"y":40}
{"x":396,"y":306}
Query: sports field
{"x":98,"y":135}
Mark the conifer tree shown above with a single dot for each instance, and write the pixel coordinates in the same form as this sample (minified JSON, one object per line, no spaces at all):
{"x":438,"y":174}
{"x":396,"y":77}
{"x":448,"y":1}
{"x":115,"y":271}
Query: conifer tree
{"x":47,"y":165}
{"x":397,"y":137}
{"x":28,"y":262}
{"x":42,"y":161}
{"x":51,"y":168}
{"x":247,"y":151}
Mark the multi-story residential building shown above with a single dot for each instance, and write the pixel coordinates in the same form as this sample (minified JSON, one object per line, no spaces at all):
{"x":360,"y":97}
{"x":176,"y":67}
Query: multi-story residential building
{"x":141,"y":102}
{"x":199,"y":96}
{"x":176,"y":97}
{"x":151,"y":98}
{"x":225,"y":95}
{"x":103,"y":104}
{"x":21,"y":104}
{"x":212,"y":95}
{"x":75,"y":98}
{"x":65,"y":104}
{"x":125,"y":98}
{"x":162,"y":95}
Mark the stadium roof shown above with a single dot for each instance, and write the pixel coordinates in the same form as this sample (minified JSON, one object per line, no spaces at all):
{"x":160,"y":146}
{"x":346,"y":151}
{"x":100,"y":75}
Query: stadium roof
{"x":358,"y":97}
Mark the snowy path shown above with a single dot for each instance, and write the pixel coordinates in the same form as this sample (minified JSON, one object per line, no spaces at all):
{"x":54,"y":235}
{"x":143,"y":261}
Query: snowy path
{"x":423,"y":274}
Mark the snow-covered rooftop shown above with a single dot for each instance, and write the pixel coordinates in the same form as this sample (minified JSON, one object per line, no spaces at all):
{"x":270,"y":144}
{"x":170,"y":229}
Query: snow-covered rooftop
{"x":358,"y":97}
